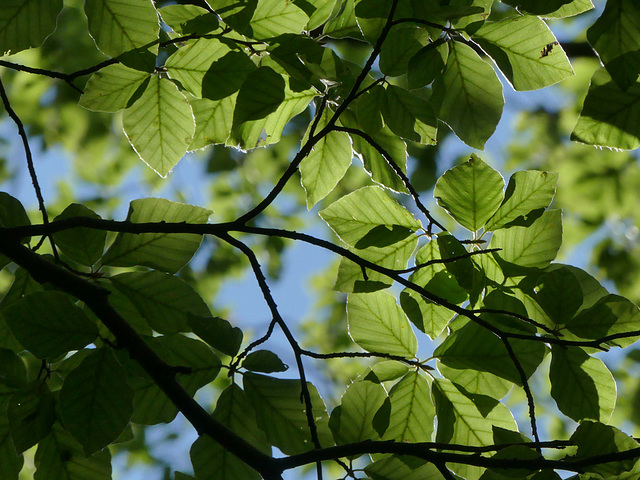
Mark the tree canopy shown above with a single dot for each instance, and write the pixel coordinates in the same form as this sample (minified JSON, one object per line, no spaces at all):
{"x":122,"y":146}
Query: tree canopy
{"x":456,"y":334}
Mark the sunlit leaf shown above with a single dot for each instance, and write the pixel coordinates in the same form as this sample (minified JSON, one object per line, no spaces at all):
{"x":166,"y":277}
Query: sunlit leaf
{"x":121,"y":25}
{"x":526,"y":51}
{"x":160,"y":125}
{"x":110,"y":89}
{"x":537,"y":7}
{"x":275,"y":17}
{"x":470,"y":192}
{"x":400,"y":45}
{"x":412,"y":410}
{"x":409,"y":116}
{"x":186,"y":19}
{"x":378,"y":324}
{"x":468,"y":96}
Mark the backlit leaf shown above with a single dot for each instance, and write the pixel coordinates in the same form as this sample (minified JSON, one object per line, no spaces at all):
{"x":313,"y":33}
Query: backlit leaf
{"x":412,"y":410}
{"x":82,"y":245}
{"x":31,"y":412}
{"x":26,"y":23}
{"x":110,"y":89}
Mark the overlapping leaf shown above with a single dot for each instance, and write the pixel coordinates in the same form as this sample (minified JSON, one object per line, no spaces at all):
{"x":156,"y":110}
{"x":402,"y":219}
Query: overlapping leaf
{"x":25,"y":24}
{"x":412,"y":410}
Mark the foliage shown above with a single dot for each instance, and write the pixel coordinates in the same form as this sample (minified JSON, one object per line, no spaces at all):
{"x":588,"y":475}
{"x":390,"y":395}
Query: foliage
{"x":109,"y":327}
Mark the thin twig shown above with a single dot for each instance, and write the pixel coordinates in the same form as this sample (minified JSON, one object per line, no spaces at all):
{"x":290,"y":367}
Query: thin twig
{"x":447,"y":260}
{"x":397,"y":358}
{"x":524,"y":318}
{"x":251,"y":346}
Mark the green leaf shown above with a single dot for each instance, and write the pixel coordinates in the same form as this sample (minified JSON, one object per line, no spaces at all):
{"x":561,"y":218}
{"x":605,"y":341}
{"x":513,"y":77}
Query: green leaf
{"x":354,"y":419}
{"x":162,"y":299}
{"x":226,"y":75}
{"x":82,"y":245}
{"x":611,"y":315}
{"x":165,"y":251}
{"x":280,"y":413}
{"x":474,"y":347}
{"x":385,"y":370}
{"x":475,"y":382}
{"x":369,"y":109}
{"x":60,"y":456}
{"x":527,"y":191}
{"x":468,"y":96}
{"x":151,"y":406}
{"x":412,"y":410}
{"x":470,"y":193}
{"x":275,"y":17}
{"x":217,"y":333}
{"x":261,"y":117}
{"x":401,"y":44}
{"x":191,"y":63}
{"x":526,"y":52}
{"x":188,"y":19}
{"x":10,"y":462}
{"x":537,"y":7}
{"x":363,"y":216}
{"x":13,"y":373}
{"x":533,"y":246}
{"x":429,"y":317}
{"x":575,"y":7}
{"x":323,"y":168}
{"x":48,"y":324}
{"x":615,"y":36}
{"x":264,"y":361}
{"x":378,"y":324}
{"x":32,"y":412}
{"x":26,"y":23}
{"x":343,"y":24}
{"x":409,"y":116}
{"x":427,"y":64}
{"x":559,"y":294}
{"x":395,"y":467}
{"x":211,"y":461}
{"x":608,"y":116}
{"x":581,"y":385}
{"x":160,"y":125}
{"x":111,"y":89}
{"x":594,"y":439}
{"x":214,"y":120}
{"x":118,"y":26}
{"x":96,"y":401}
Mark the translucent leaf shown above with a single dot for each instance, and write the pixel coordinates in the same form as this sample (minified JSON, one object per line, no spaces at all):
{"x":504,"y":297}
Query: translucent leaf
{"x":82,"y":245}
{"x":575,"y":7}
{"x":468,"y":96}
{"x":226,"y":75}
{"x":160,"y":125}
{"x":526,"y":51}
{"x":538,"y":7}
{"x":369,"y":109}
{"x":609,"y":115}
{"x":327,"y":163}
{"x":343,"y":24}
{"x":210,"y":460}
{"x":26,"y":23}
{"x":401,"y":44}
{"x":364,"y":216}
{"x":616,"y":38}
{"x":214,"y":120}
{"x":110,"y":89}
{"x":275,"y":17}
{"x":595,"y":439}
{"x":353,"y":420}
{"x":264,"y":361}
{"x":163,"y":300}
{"x":150,"y":403}
{"x":412,"y":410}
{"x":470,"y":193}
{"x":475,"y":382}
{"x":426,"y":65}
{"x":581,"y":385}
{"x":378,"y":324}
{"x":60,"y":456}
{"x":96,"y":401}
{"x":610,"y":315}
{"x":409,"y":116}
{"x":48,"y":324}
{"x":429,"y":317}
{"x":191,"y":63}
{"x":474,"y":347}
{"x":164,"y":251}
{"x":217,"y":332}
{"x":527,"y":191}
{"x":31,"y":412}
{"x":385,"y":370}
{"x":187,"y":19}
{"x":533,"y":246}
{"x":118,"y":26}
{"x":281,"y":413}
